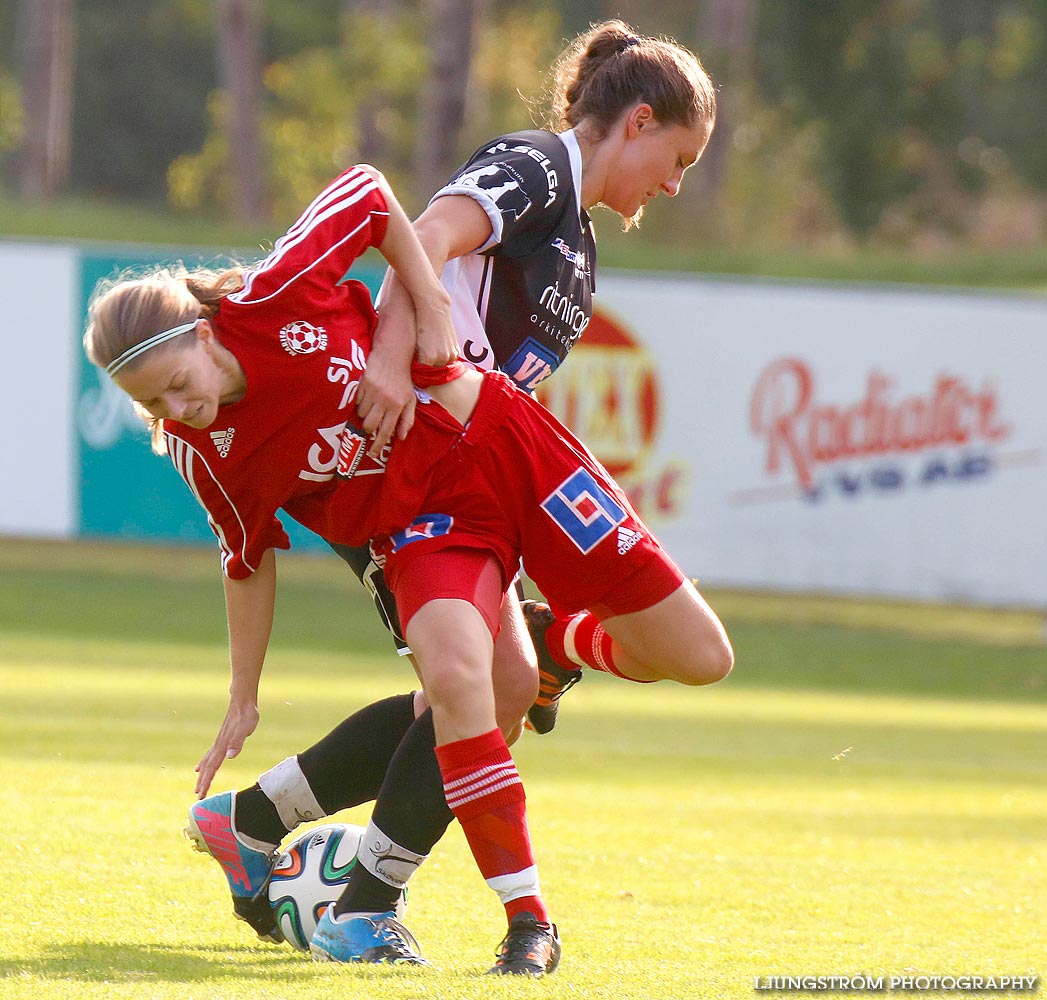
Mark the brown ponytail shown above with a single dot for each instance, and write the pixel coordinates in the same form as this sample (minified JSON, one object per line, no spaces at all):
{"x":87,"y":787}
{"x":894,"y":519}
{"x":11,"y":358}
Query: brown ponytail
{"x":608,"y":69}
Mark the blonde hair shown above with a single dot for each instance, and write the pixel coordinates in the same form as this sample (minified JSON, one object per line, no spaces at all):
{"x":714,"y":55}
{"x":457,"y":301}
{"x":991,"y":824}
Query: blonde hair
{"x":610,"y":68}
{"x":129,"y":309}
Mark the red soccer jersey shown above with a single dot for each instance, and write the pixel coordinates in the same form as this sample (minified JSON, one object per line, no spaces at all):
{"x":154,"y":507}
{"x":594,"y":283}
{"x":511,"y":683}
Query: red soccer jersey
{"x":302,"y":339}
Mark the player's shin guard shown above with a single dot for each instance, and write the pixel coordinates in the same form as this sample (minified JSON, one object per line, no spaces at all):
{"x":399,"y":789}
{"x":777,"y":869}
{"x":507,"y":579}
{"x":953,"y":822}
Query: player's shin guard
{"x":290,"y":793}
{"x":280,"y":800}
{"x":386,"y":861}
{"x":581,"y":641}
{"x":484,"y":791}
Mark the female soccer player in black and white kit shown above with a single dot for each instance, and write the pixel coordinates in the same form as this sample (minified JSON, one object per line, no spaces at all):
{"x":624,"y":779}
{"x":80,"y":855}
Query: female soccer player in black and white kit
{"x":511,"y":237}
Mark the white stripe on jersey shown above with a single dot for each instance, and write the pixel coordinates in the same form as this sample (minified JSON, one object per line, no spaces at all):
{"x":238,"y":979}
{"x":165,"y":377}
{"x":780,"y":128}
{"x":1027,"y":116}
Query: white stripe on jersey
{"x":332,"y":201}
{"x":242,"y":295}
{"x":345,"y":184}
{"x":184,"y":456}
{"x":322,"y":207}
{"x":342,"y":186}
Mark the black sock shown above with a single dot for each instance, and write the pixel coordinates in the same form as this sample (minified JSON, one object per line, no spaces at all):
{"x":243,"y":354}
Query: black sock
{"x":256,"y":816}
{"x":347,"y":767}
{"x":411,"y":810}
{"x":369,"y":894}
{"x":344,"y":769}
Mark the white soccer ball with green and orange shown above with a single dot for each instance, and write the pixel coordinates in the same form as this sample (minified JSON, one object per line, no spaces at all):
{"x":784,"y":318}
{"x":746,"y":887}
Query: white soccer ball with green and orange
{"x":310,"y":874}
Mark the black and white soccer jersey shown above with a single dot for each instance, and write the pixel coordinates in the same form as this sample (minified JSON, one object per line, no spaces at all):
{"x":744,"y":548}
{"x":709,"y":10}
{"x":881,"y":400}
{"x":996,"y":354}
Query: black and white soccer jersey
{"x":521,"y":301}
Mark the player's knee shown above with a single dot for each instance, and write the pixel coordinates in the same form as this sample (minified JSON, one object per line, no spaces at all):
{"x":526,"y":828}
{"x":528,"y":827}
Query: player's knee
{"x":514,"y":695}
{"x":708,"y":660}
{"x":513,"y":732}
{"x":449,"y":667}
{"x":447,"y":676}
{"x":709,"y":651}
{"x":719,"y":660}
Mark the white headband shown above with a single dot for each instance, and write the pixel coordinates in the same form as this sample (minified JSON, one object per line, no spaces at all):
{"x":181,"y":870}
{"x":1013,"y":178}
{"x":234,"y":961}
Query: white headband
{"x":147,"y":345}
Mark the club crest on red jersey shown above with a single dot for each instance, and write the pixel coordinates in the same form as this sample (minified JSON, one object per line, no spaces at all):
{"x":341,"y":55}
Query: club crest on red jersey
{"x":301,"y":337}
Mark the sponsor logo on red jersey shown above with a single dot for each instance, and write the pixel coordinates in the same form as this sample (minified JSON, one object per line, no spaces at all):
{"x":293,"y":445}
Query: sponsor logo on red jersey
{"x":351,"y":451}
{"x":583,"y":510}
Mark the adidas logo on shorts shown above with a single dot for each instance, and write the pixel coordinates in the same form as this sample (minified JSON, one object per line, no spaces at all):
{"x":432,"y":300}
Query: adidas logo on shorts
{"x":223,"y":440}
{"x":627,"y":539}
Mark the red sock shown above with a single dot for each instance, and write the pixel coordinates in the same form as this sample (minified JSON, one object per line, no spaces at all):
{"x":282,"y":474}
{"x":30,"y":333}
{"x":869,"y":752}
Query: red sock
{"x":484,"y":791}
{"x":580,"y":641}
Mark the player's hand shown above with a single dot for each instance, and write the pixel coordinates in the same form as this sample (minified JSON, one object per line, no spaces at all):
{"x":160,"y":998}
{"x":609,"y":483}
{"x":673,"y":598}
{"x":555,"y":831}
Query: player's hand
{"x":240,"y":721}
{"x":437,"y":340}
{"x":385,"y":402}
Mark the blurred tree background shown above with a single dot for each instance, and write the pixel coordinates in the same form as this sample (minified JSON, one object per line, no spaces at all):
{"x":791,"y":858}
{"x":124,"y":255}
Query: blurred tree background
{"x":909,"y":126}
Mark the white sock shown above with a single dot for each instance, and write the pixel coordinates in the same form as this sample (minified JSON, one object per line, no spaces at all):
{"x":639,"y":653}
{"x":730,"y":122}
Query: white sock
{"x":515,"y":885}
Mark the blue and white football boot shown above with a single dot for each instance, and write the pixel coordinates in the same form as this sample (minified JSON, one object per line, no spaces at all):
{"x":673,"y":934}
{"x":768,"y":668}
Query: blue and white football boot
{"x":247,"y":863}
{"x":354,"y":938}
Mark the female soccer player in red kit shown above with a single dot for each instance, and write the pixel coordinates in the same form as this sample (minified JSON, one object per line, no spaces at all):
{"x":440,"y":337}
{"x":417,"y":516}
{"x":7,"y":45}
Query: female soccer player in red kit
{"x":270,"y":360}
{"x":510,"y":226}
{"x":510,"y":233}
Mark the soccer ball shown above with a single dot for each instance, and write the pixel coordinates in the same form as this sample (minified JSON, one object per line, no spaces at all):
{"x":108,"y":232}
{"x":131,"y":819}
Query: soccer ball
{"x":310,"y":874}
{"x":301,"y":337}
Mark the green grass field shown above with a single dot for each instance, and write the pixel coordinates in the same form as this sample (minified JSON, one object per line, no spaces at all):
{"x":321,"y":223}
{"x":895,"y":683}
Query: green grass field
{"x":865,"y":794}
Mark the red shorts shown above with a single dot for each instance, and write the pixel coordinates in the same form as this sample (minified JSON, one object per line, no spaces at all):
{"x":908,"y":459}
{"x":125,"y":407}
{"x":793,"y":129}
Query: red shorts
{"x":465,"y":574}
{"x":518,"y":484}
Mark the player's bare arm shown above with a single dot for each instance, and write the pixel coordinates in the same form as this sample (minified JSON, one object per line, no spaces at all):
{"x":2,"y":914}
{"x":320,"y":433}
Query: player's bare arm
{"x":451,"y":227}
{"x":410,"y":262}
{"x":249,"y":610}
{"x":386,"y":400}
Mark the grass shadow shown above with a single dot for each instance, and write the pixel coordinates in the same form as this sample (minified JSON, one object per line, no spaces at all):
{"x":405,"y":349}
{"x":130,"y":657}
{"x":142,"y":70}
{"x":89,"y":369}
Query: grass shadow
{"x":106,"y":961}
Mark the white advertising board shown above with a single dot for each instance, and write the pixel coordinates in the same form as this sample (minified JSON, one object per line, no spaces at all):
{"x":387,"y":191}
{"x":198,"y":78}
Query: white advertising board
{"x":874,"y":441}
{"x":39,"y":289}
{"x":784,"y":436}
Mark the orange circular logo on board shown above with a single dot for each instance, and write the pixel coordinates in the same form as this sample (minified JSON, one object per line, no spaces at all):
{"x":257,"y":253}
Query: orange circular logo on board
{"x":606,"y":392}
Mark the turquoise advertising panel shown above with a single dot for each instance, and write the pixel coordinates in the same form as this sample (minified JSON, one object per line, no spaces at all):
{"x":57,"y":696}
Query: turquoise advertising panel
{"x":125,"y":490}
